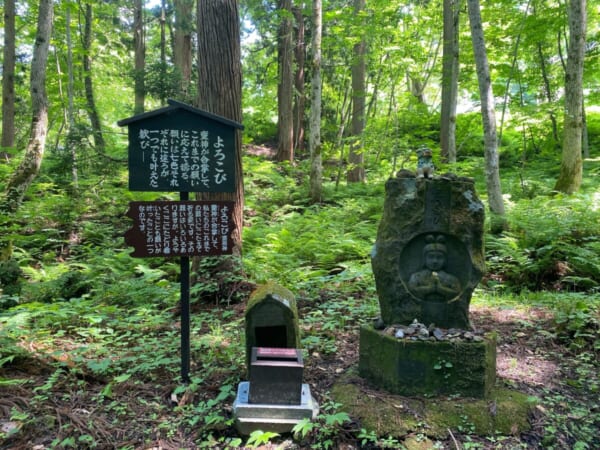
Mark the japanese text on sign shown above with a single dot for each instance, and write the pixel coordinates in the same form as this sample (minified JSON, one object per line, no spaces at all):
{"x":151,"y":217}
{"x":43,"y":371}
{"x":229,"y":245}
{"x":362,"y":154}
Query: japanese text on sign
{"x":174,"y":156}
{"x":185,"y":228}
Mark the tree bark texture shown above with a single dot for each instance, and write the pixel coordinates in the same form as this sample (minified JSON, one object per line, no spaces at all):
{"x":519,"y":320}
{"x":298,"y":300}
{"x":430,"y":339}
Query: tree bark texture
{"x":548,"y":91}
{"x":182,"y":48}
{"x":29,"y":167}
{"x":70,"y":113}
{"x":88,"y":83}
{"x":450,"y":58}
{"x":314,"y":143}
{"x":299,"y":99}
{"x":163,"y":48}
{"x":8,"y":76}
{"x":220,"y":85}
{"x":356,"y":172}
{"x":488,"y":116}
{"x":285,"y":87}
{"x":571,"y":167}
{"x":139,"y":48}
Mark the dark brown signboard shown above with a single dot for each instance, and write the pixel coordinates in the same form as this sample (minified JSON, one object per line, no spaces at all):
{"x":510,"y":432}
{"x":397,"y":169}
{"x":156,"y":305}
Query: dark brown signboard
{"x":184,"y":228}
{"x":180,"y":148}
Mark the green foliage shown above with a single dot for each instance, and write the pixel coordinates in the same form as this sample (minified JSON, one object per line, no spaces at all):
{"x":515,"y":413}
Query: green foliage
{"x":322,"y":432}
{"x":220,"y":280}
{"x":593,"y":129}
{"x":102,"y":329}
{"x":469,"y":135}
{"x":260,"y":437}
{"x":10,"y":279}
{"x":578,"y":325}
{"x":301,"y":244}
{"x":553,"y":244}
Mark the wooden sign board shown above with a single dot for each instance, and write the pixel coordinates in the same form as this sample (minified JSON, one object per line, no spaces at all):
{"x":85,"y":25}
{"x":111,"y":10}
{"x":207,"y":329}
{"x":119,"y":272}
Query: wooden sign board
{"x":180,"y":148}
{"x":184,"y":228}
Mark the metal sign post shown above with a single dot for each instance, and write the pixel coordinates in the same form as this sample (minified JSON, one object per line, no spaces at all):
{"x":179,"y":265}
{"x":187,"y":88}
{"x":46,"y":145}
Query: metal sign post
{"x":185,"y":308}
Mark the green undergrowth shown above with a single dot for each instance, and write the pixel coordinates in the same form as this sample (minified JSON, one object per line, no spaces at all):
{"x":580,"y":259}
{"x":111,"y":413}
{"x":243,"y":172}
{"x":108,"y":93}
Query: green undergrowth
{"x":89,"y":337}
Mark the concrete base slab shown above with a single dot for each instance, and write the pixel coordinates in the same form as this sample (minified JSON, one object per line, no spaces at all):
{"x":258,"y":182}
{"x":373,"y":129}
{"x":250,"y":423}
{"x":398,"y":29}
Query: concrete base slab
{"x":250,"y":417}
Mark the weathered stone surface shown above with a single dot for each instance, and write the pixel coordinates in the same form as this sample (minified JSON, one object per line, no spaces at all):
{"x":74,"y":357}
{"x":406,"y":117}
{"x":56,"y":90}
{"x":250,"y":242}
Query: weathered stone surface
{"x":505,"y":412}
{"x":276,"y":376}
{"x":271,"y":319}
{"x":427,"y":366}
{"x":250,"y":417}
{"x":422,"y":216}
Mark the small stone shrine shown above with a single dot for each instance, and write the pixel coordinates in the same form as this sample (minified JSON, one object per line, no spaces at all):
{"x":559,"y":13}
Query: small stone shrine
{"x":274,"y":398}
{"x":427,"y":260}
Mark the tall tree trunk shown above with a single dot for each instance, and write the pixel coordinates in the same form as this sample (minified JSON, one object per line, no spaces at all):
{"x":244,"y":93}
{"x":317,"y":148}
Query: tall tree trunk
{"x":314,"y":143}
{"x":139,"y":47}
{"x":513,"y":69}
{"x":32,"y":159}
{"x":300,"y":51}
{"x":356,"y":158}
{"x":87,"y":80}
{"x":8,"y":79}
{"x":548,"y":91}
{"x":182,"y":49}
{"x":220,"y":85}
{"x":488,"y":116}
{"x":285,"y":97}
{"x":163,"y":48}
{"x":449,"y":79}
{"x":70,"y":97}
{"x":571,"y":167}
{"x":372,"y":108}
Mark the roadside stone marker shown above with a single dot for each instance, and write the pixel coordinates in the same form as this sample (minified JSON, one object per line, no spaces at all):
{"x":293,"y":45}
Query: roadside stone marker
{"x":275,"y":397}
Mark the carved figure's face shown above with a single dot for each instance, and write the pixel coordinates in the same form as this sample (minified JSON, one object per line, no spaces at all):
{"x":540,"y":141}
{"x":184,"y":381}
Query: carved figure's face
{"x":435,"y":260}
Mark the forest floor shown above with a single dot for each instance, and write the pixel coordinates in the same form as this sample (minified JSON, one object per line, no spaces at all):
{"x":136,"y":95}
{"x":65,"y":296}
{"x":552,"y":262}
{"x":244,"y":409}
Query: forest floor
{"x":530,"y":359}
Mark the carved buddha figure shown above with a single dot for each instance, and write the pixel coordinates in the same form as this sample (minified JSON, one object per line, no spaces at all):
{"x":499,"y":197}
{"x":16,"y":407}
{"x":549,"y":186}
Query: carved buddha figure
{"x":433,"y":283}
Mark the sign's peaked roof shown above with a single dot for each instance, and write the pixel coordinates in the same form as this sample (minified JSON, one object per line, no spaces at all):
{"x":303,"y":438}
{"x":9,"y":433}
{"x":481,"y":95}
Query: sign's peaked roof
{"x":175,"y":105}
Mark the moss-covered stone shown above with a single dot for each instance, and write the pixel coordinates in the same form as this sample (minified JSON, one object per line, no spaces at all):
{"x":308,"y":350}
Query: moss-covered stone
{"x":427,"y":367}
{"x":505,"y":412}
{"x":271,"y":319}
{"x":416,"y":209}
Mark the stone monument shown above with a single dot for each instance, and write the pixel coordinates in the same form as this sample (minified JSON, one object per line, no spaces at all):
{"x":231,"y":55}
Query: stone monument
{"x":275,"y":397}
{"x":429,"y":255}
{"x":427,"y":260}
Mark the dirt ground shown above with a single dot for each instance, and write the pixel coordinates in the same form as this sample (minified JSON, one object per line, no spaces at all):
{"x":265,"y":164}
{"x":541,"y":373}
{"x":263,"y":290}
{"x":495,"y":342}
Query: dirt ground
{"x":529,"y":359}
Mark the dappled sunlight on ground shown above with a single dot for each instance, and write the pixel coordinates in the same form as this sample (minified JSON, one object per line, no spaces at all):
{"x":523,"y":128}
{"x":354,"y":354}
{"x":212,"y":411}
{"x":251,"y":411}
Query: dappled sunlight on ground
{"x":524,"y":337}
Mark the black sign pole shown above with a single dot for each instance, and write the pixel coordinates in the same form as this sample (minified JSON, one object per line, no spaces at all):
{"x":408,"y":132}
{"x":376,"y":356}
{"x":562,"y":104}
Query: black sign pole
{"x":185,"y":309}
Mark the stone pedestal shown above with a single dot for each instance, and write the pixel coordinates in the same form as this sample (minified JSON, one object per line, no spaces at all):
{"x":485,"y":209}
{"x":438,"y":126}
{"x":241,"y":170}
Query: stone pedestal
{"x":425,"y":367}
{"x":275,"y":399}
{"x":276,"y":376}
{"x":250,"y":417}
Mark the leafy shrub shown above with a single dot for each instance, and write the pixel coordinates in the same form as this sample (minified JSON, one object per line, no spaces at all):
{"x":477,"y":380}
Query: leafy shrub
{"x":578,"y":324}
{"x":553,"y":244}
{"x":10,"y":277}
{"x":593,"y":129}
{"x":71,"y":284}
{"x":220,"y":280}
{"x":469,"y":135}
